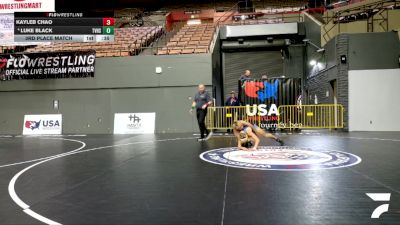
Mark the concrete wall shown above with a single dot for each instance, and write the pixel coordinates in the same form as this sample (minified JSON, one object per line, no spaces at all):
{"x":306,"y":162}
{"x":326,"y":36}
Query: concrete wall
{"x":363,"y":51}
{"x":319,"y":83}
{"x":217,"y":72}
{"x":293,"y":63}
{"x":125,"y":84}
{"x":373,"y":51}
{"x":313,"y":29}
{"x":373,"y":100}
{"x":313,"y":33}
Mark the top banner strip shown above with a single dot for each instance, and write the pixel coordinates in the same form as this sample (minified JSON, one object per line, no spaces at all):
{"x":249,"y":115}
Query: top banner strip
{"x":11,"y":6}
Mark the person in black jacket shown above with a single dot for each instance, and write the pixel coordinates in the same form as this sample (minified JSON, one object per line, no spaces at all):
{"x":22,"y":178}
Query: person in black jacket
{"x":232,"y":100}
{"x":201,"y":101}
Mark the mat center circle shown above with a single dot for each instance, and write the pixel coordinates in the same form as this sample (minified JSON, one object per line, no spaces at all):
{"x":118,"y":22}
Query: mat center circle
{"x":280,"y":158}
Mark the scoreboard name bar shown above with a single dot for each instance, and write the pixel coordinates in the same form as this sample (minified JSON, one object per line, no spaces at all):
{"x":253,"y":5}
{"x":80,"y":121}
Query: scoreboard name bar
{"x":43,"y":21}
{"x":64,"y":14}
{"x":63,"y":38}
{"x":64,"y":30}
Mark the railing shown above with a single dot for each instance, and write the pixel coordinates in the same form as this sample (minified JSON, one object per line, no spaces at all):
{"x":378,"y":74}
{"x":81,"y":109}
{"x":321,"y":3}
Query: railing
{"x":223,"y":117}
{"x":357,"y":12}
{"x":324,"y":116}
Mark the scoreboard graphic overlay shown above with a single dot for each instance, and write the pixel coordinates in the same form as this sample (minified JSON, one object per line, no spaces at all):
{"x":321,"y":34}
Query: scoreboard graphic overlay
{"x":63,"y":27}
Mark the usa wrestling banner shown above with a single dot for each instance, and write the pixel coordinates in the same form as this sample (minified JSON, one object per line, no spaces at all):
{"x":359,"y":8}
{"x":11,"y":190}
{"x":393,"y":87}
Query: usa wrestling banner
{"x":263,"y":97}
{"x":47,"y":65}
{"x":279,"y":91}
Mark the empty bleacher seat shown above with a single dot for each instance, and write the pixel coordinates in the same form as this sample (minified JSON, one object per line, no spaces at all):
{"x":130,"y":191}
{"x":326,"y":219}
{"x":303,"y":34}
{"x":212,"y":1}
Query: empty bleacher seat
{"x":190,"y":39}
{"x":127,"y":41}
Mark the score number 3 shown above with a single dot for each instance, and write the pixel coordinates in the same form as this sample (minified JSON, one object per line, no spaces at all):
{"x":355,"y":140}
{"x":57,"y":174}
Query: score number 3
{"x":108,"y":21}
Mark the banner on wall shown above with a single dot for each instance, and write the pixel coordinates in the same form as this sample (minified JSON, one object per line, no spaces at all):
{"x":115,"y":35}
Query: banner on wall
{"x":267,"y":95}
{"x":278,"y":91}
{"x":42,"y":124}
{"x":134,"y":123}
{"x":78,"y":64}
{"x":11,"y":6}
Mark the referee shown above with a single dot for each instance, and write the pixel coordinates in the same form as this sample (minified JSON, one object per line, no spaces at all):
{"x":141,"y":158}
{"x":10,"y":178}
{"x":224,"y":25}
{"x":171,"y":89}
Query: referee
{"x":200,"y":102}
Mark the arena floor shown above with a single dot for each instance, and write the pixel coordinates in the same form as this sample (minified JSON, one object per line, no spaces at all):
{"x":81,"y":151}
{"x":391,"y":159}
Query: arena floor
{"x":160,"y":179}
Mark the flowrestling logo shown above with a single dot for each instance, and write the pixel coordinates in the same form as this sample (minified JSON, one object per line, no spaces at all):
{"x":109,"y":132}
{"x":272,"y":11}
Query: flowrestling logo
{"x":3,"y":62}
{"x":48,"y":65}
{"x":280,"y":158}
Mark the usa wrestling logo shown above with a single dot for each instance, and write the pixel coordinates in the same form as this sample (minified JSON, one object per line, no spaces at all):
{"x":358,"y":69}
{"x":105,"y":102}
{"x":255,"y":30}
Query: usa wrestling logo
{"x":280,"y":158}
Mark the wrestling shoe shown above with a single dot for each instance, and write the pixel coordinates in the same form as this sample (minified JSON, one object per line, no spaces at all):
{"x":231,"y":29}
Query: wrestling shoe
{"x":209,"y":134}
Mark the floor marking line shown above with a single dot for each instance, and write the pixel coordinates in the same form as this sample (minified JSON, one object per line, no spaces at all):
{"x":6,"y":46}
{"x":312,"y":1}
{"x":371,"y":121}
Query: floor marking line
{"x":126,"y":144}
{"x":22,"y":204}
{"x":224,"y":201}
{"x":378,"y":139}
{"x":6,"y":136}
{"x":335,"y":136}
{"x":25,"y":207}
{"x":376,"y":181}
{"x":40,"y":217}
{"x":53,"y":135}
{"x":47,"y":157}
{"x":44,"y":158}
{"x":28,"y":211}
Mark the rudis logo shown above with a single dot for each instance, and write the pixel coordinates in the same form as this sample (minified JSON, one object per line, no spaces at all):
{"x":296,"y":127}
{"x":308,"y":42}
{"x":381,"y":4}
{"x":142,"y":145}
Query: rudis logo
{"x":134,"y":118}
{"x":3,"y":63}
{"x":32,"y":124}
{"x":134,"y":122}
{"x":262,"y":90}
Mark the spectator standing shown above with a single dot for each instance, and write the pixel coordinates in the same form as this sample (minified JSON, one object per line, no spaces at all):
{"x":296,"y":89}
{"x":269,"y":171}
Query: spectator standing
{"x":264,"y":77}
{"x":232,"y":100}
{"x":246,"y":75}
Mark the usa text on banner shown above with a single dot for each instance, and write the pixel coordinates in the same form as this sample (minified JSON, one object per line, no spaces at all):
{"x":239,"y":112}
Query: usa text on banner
{"x":134,"y":123}
{"x":42,"y":124}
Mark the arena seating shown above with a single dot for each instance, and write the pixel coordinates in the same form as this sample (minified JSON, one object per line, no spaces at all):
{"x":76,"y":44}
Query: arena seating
{"x":281,"y":5}
{"x":256,"y":21}
{"x":7,"y":49}
{"x":190,"y":39}
{"x":128,"y":41}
